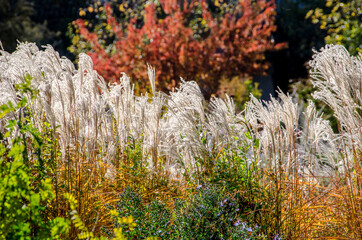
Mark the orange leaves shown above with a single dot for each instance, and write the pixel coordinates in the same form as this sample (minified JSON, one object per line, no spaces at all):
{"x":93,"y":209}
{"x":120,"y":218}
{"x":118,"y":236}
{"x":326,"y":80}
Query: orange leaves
{"x":230,"y":45}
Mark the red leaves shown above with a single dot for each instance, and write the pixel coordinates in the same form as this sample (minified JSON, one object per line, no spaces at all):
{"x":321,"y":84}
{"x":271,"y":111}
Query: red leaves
{"x":234,"y":44}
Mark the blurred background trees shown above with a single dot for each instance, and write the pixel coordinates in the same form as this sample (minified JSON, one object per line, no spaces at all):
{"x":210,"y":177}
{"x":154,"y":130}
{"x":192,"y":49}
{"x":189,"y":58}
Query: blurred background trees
{"x":342,"y":19}
{"x":300,"y":34}
{"x":196,"y":40}
{"x":40,"y":21}
{"x":16,"y":23}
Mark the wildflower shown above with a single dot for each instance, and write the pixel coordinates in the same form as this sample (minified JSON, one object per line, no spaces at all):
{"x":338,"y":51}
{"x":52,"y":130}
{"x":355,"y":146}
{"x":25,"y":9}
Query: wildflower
{"x":198,"y":187}
{"x":249,"y":229}
{"x":277,"y":237}
{"x":223,"y":202}
{"x":237,"y":223}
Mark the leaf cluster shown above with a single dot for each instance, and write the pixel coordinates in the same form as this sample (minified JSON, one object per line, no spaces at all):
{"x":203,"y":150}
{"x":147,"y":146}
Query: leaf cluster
{"x":342,"y":20}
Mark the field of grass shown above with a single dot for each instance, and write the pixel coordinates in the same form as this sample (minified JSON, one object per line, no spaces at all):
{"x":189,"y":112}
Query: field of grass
{"x":81,"y":159}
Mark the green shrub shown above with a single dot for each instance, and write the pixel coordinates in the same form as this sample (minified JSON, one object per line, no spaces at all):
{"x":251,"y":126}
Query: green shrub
{"x":152,"y":219}
{"x":210,"y":213}
{"x":25,"y":193}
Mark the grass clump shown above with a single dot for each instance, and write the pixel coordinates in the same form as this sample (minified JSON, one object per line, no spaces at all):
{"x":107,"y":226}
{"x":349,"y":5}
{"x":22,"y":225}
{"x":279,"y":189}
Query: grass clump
{"x":70,"y":144}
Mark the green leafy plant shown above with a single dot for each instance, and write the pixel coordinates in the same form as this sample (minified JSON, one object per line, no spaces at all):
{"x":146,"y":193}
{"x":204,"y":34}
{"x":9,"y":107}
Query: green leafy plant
{"x":209,"y":213}
{"x":153,"y":220}
{"x":25,"y":192}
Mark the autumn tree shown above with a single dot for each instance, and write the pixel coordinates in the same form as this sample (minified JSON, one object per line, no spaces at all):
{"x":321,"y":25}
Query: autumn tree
{"x":185,"y":39}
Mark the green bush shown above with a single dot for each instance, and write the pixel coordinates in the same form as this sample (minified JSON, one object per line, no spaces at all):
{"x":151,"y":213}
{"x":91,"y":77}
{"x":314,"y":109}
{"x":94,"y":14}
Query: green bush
{"x":25,"y":194}
{"x":152,"y":219}
{"x":210,"y":213}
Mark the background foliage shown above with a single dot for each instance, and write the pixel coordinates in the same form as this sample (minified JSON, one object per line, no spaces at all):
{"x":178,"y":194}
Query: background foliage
{"x":16,"y":23}
{"x":183,"y":39}
{"x":342,"y":21}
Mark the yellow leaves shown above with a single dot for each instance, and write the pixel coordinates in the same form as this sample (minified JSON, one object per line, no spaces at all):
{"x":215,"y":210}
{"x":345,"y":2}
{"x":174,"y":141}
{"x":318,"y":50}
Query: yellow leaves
{"x":85,"y":235}
{"x":309,"y":14}
{"x":128,"y":220}
{"x":119,"y":234}
{"x":323,"y":25}
{"x":335,"y":8}
{"x":329,"y":3}
{"x":90,"y":9}
{"x":217,"y":3}
{"x":82,"y":13}
{"x":121,"y":8}
{"x":114,"y":213}
{"x":125,"y":220}
{"x":72,"y":201}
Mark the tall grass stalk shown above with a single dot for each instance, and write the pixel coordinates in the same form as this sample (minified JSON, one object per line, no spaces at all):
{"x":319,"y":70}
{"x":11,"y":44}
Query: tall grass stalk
{"x":105,"y":137}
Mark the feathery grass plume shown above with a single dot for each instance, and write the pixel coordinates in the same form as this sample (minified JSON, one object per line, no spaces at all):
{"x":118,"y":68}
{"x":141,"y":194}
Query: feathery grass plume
{"x":296,"y":160}
{"x":90,"y":115}
{"x":152,"y":77}
{"x":182,"y":125}
{"x":287,"y":144}
{"x":338,"y":78}
{"x":319,"y":150}
{"x":274,"y":125}
{"x":97,"y":119}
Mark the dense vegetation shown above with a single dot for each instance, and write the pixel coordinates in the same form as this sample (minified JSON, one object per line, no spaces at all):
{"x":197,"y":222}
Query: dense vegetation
{"x":119,"y":147}
{"x":82,"y":158}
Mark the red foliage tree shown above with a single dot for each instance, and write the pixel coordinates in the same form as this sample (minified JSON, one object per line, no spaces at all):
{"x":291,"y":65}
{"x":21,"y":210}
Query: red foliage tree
{"x":233,"y":45}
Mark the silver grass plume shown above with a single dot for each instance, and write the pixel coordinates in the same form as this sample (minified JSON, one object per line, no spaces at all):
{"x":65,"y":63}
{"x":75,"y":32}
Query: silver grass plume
{"x":100,"y":119}
{"x":338,"y":79}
